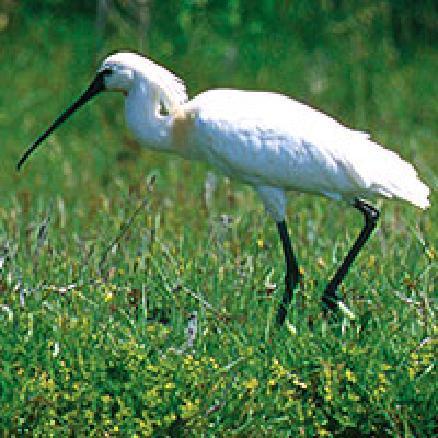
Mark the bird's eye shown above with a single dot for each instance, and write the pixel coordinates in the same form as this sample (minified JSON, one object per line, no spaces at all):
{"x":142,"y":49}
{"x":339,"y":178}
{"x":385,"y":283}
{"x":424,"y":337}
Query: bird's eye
{"x":107,"y":71}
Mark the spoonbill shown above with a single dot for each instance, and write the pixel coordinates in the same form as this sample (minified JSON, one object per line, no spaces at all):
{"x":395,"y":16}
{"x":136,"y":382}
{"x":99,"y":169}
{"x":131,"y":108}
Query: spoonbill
{"x":267,"y":140}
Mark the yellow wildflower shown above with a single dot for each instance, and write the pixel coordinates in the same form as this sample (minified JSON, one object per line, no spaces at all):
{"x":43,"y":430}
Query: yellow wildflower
{"x":281,"y":371}
{"x":351,"y":377}
{"x":189,"y":408}
{"x":106,"y":398}
{"x":414,"y":356}
{"x":152,"y":368}
{"x":169,"y":385}
{"x":353,"y":397}
{"x":412,"y":373}
{"x":170,"y":418}
{"x":431,"y":253}
{"x":250,"y":385}
{"x":108,"y":296}
{"x":290,"y":393}
{"x":188,"y":360}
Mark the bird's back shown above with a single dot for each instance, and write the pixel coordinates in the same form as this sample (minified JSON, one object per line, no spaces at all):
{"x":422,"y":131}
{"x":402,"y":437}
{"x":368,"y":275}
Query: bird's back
{"x":265,"y":109}
{"x":269,"y":139}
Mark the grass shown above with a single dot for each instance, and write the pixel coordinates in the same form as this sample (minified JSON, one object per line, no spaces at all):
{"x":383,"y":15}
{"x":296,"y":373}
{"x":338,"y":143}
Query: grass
{"x":94,"y":358}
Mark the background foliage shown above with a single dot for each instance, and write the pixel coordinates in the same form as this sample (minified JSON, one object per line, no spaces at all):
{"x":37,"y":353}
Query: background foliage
{"x":92,"y":344}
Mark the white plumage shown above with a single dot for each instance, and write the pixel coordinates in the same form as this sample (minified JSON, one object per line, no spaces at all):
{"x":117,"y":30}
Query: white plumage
{"x":267,"y":140}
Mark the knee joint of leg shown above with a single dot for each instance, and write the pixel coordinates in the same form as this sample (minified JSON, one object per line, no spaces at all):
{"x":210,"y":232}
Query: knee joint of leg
{"x":373,"y":215}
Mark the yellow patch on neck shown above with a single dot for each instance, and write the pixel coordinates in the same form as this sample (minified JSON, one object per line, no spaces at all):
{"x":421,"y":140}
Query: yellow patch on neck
{"x":183,"y":123}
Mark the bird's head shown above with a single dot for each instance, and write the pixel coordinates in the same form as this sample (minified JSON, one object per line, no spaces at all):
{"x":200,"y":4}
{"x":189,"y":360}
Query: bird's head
{"x":117,"y":72}
{"x":122,"y":70}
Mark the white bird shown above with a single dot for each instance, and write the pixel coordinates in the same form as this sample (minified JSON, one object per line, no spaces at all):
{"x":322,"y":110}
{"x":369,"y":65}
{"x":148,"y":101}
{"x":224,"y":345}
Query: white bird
{"x":266,"y":140}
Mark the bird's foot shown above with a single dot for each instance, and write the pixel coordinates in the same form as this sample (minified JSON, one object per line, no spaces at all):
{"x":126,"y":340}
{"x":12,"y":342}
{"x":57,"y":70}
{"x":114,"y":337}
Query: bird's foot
{"x":281,"y":314}
{"x":329,"y":303}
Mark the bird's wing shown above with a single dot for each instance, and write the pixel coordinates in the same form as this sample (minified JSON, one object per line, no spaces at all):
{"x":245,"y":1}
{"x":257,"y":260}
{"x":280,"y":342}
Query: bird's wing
{"x":267,"y":138}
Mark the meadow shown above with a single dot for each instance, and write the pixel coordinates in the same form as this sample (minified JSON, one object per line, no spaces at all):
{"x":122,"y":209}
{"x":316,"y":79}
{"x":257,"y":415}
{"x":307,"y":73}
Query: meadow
{"x":138,"y":291}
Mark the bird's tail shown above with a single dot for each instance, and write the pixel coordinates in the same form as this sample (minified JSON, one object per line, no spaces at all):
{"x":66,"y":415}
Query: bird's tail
{"x":413,"y":191}
{"x":390,"y":176}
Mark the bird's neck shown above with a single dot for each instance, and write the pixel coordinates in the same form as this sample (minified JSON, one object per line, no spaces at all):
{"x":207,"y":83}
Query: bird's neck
{"x":142,"y":109}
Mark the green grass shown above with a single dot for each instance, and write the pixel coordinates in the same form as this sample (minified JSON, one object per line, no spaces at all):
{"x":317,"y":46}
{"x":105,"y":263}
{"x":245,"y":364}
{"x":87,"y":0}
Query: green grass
{"x":95,"y":360}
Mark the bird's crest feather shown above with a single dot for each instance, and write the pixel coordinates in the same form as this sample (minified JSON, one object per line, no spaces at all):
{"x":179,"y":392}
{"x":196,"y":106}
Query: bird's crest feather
{"x":170,"y":89}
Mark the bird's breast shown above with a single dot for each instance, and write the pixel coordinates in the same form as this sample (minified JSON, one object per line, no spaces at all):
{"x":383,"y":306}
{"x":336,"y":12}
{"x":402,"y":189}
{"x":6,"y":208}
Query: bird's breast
{"x":181,"y":130}
{"x":182,"y":134}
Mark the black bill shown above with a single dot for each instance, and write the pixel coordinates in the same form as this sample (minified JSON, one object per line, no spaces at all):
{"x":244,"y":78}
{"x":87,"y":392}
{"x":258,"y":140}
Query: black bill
{"x":95,"y":87}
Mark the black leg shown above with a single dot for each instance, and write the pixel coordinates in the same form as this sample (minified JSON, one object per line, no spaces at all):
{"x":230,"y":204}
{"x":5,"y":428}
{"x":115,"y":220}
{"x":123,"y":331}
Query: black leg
{"x":329,"y":298}
{"x":292,"y":272}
